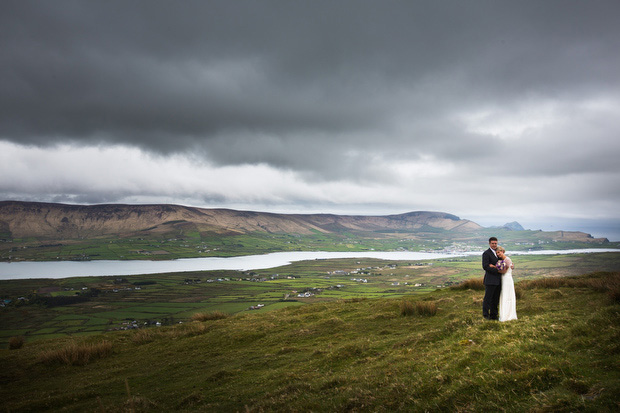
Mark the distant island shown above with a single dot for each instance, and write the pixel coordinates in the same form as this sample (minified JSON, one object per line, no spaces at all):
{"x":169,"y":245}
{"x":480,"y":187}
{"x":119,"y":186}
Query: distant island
{"x":512,"y":226}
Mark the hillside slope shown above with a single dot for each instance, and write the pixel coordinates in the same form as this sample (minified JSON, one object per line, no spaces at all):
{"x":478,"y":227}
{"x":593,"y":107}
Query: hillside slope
{"x":350,"y":355}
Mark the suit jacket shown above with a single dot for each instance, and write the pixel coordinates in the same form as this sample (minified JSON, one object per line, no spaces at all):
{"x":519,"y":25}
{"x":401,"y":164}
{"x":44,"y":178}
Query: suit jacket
{"x":491,"y":275}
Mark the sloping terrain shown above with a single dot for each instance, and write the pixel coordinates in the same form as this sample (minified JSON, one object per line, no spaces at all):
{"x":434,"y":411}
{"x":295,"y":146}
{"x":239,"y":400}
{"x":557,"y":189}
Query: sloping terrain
{"x":432,"y":352}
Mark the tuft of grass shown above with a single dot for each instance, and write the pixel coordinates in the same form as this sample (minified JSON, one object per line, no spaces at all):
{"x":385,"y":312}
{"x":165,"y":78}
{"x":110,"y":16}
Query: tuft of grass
{"x":407,"y":308}
{"x":76,"y":354}
{"x":145,"y":335}
{"x":475,"y":284}
{"x":214,"y":315}
{"x":426,"y":308}
{"x":16,"y":342}
{"x":423,"y":308}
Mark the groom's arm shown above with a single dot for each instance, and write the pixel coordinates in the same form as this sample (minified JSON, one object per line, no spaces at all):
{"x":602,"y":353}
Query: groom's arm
{"x":486,"y":263}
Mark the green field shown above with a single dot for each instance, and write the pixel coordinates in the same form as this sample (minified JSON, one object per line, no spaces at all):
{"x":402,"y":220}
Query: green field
{"x":102,"y":304}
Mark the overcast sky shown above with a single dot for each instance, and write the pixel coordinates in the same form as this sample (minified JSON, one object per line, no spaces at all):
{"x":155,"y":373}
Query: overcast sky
{"x":494,"y":111}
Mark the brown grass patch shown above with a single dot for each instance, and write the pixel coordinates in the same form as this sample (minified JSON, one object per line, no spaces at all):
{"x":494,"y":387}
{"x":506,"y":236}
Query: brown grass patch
{"x":604,"y":282}
{"x":77,"y":354}
{"x":145,"y":335}
{"x":215,"y":315}
{"x":426,"y":308}
{"x":16,"y":342}
{"x":407,"y":308}
{"x":470,"y":284}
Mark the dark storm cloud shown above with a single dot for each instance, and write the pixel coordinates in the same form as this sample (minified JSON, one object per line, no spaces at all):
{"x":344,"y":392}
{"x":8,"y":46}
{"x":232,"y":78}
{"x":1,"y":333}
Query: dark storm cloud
{"x":299,"y":85}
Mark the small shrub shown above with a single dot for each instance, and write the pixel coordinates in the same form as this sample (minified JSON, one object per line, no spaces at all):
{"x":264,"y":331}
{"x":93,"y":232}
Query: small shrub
{"x":16,"y":342}
{"x":77,"y":354}
{"x":215,"y":315}
{"x":406,"y":308}
{"x":426,"y":308}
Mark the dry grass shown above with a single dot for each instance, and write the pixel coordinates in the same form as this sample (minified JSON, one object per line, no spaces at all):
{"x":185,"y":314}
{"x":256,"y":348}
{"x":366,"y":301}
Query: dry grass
{"x":77,"y":353}
{"x":423,"y":308}
{"x":407,"y":308}
{"x":471,"y":284}
{"x":426,"y":308}
{"x":600,"y":282}
{"x":145,"y":335}
{"x":215,"y":315}
{"x":16,"y":342}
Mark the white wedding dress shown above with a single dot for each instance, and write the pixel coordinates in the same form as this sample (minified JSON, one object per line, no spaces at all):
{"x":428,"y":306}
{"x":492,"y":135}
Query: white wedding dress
{"x":507,"y":298}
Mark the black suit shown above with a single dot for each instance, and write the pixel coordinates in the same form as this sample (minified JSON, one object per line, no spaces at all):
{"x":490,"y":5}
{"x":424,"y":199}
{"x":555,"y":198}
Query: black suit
{"x":492,"y":285}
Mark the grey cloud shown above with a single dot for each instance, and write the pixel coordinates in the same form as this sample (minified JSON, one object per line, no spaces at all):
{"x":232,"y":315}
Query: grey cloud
{"x":293,"y":84}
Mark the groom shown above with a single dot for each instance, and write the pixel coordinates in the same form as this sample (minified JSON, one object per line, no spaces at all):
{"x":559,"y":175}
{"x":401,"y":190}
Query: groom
{"x":492,"y":282}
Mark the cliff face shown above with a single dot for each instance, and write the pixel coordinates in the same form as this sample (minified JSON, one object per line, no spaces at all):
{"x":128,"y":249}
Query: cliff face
{"x":29,"y":219}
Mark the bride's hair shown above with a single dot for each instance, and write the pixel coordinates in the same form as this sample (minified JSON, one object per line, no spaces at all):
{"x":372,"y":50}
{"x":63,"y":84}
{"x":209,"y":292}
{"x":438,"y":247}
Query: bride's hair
{"x":501,"y":249}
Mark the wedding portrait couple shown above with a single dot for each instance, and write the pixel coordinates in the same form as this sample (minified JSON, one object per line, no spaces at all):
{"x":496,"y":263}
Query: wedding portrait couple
{"x":500,"y":302}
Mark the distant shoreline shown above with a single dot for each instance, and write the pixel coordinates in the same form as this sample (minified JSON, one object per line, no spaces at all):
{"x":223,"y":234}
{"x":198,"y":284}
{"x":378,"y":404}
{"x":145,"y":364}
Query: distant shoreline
{"x":70,"y":269}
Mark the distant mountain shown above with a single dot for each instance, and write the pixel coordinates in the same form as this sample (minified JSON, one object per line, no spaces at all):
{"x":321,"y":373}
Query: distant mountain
{"x":513,"y":226}
{"x":55,"y":221}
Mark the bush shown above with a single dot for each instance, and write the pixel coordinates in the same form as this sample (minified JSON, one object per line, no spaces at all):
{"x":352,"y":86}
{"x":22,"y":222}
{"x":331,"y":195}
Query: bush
{"x":77,"y":354}
{"x":16,"y":342}
{"x":215,"y":315}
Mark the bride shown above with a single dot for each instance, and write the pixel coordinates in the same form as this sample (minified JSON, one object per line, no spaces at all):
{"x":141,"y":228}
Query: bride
{"x":507,"y":298}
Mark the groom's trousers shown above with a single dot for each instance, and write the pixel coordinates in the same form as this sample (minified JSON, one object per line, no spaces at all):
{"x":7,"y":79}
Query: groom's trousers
{"x":490,"y":303}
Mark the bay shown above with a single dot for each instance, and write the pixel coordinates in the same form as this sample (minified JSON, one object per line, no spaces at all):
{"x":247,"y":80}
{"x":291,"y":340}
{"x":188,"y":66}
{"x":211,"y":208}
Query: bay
{"x":66,"y":269}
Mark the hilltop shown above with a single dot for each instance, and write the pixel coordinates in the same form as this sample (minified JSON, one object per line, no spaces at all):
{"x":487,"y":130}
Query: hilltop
{"x":431,"y":352}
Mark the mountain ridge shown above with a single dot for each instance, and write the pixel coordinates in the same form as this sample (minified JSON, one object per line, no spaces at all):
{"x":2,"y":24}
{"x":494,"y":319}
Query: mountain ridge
{"x":24,"y":219}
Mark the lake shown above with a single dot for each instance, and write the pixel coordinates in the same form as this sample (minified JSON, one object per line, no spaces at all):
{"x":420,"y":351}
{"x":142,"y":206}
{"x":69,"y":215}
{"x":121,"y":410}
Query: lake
{"x":66,"y":269}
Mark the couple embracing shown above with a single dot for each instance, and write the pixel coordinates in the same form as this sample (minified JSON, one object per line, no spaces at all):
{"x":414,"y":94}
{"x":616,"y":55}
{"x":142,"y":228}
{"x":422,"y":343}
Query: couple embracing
{"x":499,"y":301}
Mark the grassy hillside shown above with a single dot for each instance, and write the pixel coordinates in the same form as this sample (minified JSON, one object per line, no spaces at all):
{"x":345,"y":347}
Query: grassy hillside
{"x":429,"y":352}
